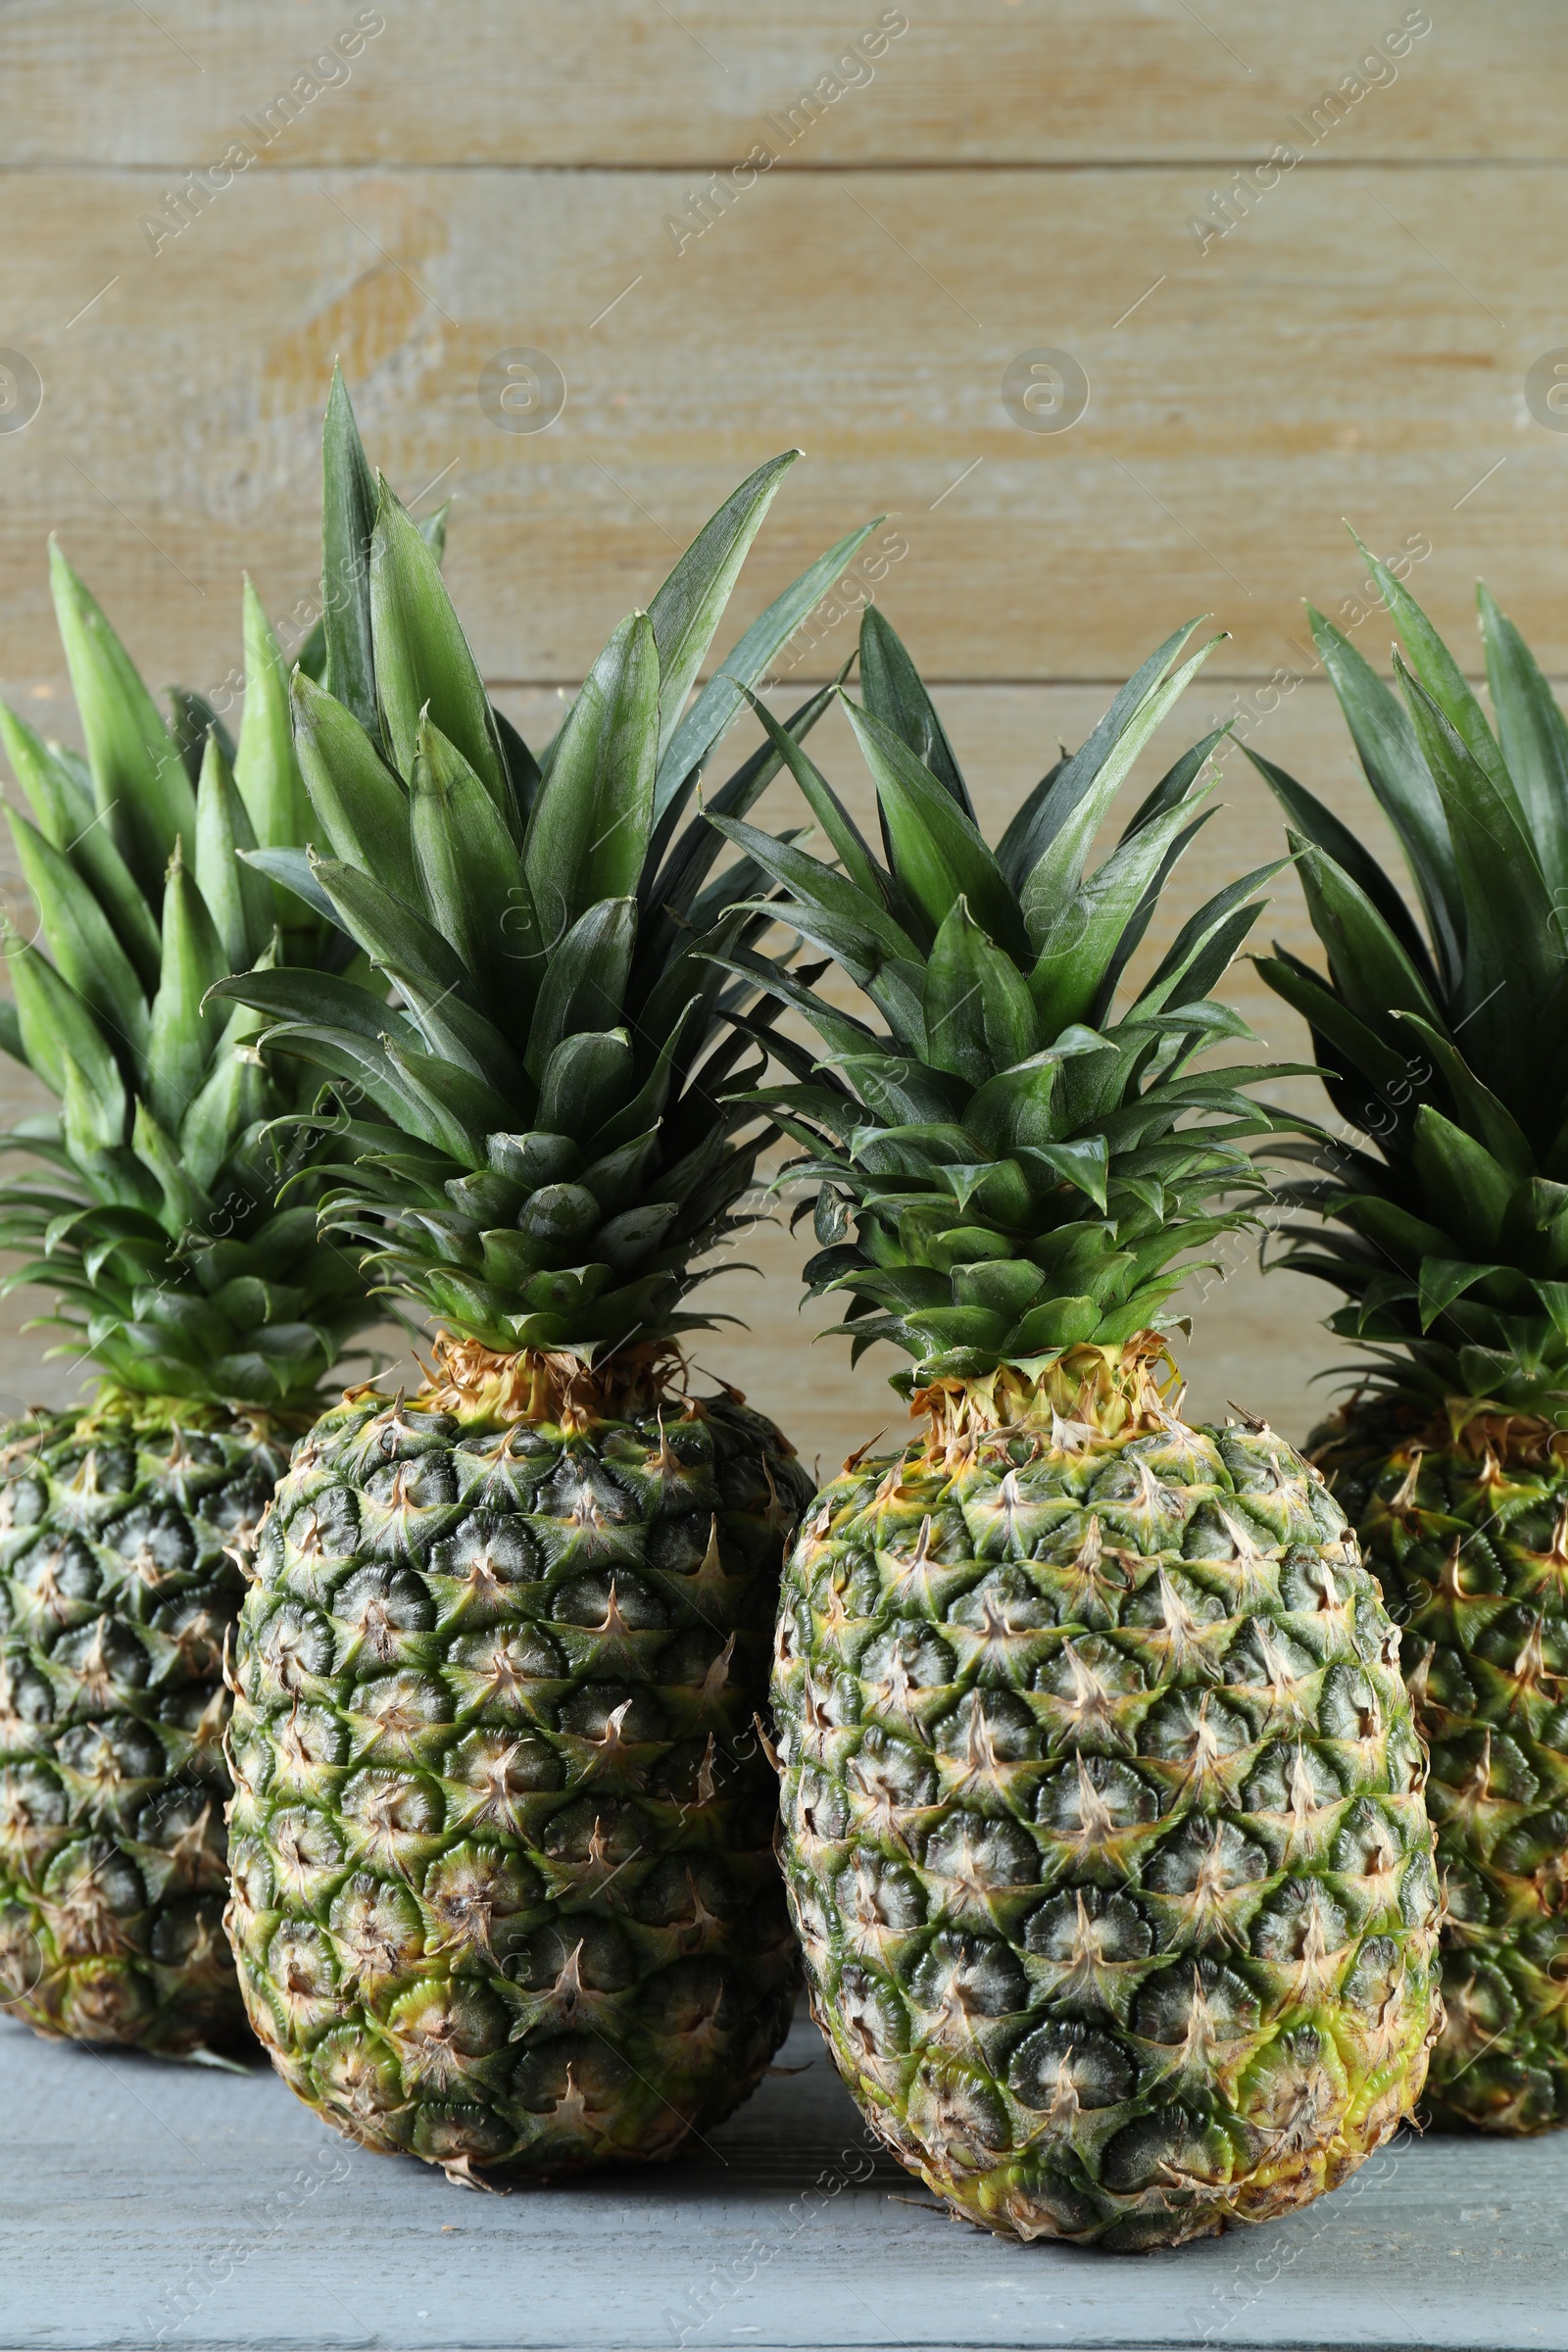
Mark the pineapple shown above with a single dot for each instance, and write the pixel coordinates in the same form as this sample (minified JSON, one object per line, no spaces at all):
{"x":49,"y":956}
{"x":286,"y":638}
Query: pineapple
{"x":1101,"y":1797}
{"x":1444,"y":1196}
{"x":211,"y":1315}
{"x":504,"y":1888}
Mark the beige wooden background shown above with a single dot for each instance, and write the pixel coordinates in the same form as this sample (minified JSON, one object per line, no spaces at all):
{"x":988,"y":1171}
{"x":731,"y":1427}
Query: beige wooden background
{"x":1349,"y":337}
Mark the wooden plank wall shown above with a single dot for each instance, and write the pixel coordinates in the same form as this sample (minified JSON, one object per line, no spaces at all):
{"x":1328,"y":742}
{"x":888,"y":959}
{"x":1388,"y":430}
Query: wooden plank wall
{"x":1303,"y":261}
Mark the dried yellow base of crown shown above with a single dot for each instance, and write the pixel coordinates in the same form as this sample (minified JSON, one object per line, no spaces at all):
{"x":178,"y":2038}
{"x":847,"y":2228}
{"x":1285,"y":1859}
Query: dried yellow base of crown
{"x":1086,"y":1391}
{"x":479,"y":1384}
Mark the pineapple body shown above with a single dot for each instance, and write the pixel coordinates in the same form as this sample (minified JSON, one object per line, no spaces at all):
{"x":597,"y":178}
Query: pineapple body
{"x":504,"y":1887}
{"x":211,"y":1315}
{"x":121,"y":1539}
{"x":1102,"y":1795}
{"x":505,"y":1892}
{"x":1469,"y":1537}
{"x":1103,"y":1825}
{"x":1441,"y":1028}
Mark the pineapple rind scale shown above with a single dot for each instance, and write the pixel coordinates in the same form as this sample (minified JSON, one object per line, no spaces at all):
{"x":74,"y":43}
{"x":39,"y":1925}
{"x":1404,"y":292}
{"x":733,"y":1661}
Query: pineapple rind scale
{"x":1102,"y":1813}
{"x":148,"y":1209}
{"x":1465,"y":1521}
{"x":1436,"y":1207}
{"x":504,"y":1888}
{"x":123,"y":1531}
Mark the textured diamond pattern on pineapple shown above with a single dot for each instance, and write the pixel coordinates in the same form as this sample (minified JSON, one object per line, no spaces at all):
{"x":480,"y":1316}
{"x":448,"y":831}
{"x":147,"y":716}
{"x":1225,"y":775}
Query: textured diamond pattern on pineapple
{"x":1104,"y":1817}
{"x":1475,"y":1557}
{"x":1443,"y":1039}
{"x":503,"y":1836}
{"x":119,"y":1573}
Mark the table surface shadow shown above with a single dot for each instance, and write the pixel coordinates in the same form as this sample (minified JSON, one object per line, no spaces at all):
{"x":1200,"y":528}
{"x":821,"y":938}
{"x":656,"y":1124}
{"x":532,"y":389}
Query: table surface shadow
{"x":149,"y":2205}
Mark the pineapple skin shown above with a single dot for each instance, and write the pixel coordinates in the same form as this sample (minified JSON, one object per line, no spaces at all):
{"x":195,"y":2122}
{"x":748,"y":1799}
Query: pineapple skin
{"x":120,"y":1544}
{"x":1103,"y":1825}
{"x":504,"y":1892}
{"x":1468,"y":1532}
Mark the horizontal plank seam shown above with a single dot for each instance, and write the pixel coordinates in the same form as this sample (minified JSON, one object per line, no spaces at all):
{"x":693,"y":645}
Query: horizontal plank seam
{"x":1110,"y":684}
{"x":986,"y":166}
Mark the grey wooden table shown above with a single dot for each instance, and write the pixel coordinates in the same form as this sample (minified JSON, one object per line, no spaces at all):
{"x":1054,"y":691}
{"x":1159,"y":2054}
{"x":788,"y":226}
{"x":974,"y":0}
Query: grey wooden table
{"x":144,"y":2205}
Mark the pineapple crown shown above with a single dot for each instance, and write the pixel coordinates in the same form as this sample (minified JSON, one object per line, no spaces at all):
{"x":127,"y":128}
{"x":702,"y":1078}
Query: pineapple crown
{"x":547,"y":1128}
{"x":1010,"y":1168}
{"x":151,"y":1212}
{"x":1443,"y":1040}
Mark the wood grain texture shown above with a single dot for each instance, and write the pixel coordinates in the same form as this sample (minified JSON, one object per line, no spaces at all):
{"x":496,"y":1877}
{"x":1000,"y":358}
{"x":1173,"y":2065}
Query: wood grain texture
{"x":573,"y":82}
{"x":1319,"y":362}
{"x":219,"y":2214}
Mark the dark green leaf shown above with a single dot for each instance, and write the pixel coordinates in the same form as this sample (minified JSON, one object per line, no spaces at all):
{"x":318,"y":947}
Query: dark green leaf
{"x":265,"y":765}
{"x":1371,"y":969}
{"x":1067,"y":980}
{"x":587,"y":1079}
{"x":1398,"y":776}
{"x":1057,"y":1323}
{"x":1379,"y":1061}
{"x":391,"y":934}
{"x":744,"y":665}
{"x":423,"y":659}
{"x":937,"y":853}
{"x":84,"y":947}
{"x":348,"y":522}
{"x":1443,"y":1281}
{"x":1441,"y":678}
{"x":978,"y":1013}
{"x":1478,"y":1106}
{"x":818,"y":886}
{"x":1320,"y":826}
{"x":895,"y":693}
{"x":238,"y":898}
{"x":433,"y":530}
{"x":475,"y":888}
{"x":850,"y":846}
{"x":585,"y":980}
{"x":522,"y":768}
{"x":310,"y":656}
{"x":317,"y":1000}
{"x":179,"y":1045}
{"x":686,"y":610}
{"x":588,"y":836}
{"x":1515,"y":973}
{"x":1057,"y":875}
{"x":1175,"y":784}
{"x":58,"y":1029}
{"x":1206,"y":943}
{"x":465,"y":1107}
{"x":1083,"y":1161}
{"x":290,"y":871}
{"x":138,"y":777}
{"x":10,"y":1034}
{"x":1535,"y":741}
{"x":63,"y":806}
{"x":365,"y":1065}
{"x":1060,"y":789}
{"x":359,"y":804}
{"x":1467,"y":1186}
{"x":1139,"y":920}
{"x":840,"y":1030}
{"x":666,"y":900}
{"x":233,"y":1098}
